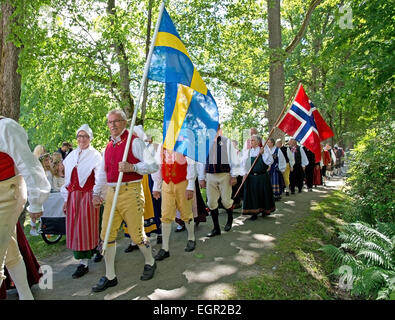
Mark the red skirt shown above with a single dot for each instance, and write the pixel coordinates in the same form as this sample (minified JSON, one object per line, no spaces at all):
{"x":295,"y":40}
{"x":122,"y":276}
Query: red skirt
{"x":82,"y":223}
{"x":317,"y":176}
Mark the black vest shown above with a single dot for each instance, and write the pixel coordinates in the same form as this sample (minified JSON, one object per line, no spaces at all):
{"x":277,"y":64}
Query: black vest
{"x":217,"y":160}
{"x":284,"y":151}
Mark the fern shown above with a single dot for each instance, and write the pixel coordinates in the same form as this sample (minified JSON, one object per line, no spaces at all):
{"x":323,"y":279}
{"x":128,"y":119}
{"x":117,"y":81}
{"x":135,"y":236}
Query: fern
{"x":370,"y":255}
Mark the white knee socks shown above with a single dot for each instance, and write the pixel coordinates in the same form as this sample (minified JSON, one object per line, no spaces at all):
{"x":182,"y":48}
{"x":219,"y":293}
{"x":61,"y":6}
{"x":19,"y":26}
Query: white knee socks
{"x":191,"y":230}
{"x":19,"y":276}
{"x":166,"y":230}
{"x":147,"y":253}
{"x":109,"y":258}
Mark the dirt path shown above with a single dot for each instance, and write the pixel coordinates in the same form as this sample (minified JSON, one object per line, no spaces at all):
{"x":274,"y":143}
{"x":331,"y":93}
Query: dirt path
{"x":206,"y":273}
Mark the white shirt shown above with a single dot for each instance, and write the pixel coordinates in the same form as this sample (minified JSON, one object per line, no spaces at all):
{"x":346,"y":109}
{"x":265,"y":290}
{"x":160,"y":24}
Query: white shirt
{"x":233,"y":159}
{"x":85,"y":160}
{"x":291,"y":157}
{"x":254,"y":152}
{"x":147,"y":165}
{"x":282,"y":163}
{"x":157,"y":176}
{"x":13,"y":141}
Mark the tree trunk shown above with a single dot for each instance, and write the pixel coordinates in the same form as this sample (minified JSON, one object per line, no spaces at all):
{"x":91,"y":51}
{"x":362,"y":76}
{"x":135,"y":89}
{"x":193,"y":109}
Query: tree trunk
{"x":127,"y":103}
{"x":147,"y":46}
{"x":10,"y":80}
{"x":276,"y":75}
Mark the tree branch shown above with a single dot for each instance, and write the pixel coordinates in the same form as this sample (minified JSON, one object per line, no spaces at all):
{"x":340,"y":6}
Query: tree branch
{"x":303,"y":27}
{"x":235,"y":84}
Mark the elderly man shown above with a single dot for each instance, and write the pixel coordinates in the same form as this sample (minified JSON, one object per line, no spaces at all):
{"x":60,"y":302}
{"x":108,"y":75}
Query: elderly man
{"x":18,"y":169}
{"x":130,"y":205}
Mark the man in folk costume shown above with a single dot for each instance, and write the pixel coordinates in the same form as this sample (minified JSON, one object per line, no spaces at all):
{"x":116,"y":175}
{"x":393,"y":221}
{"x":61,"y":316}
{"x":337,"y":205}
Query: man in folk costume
{"x":176,"y":181}
{"x":309,"y":171}
{"x":218,"y":176}
{"x":130,"y":204}
{"x":19,"y":170}
{"x":82,"y":224}
{"x":276,"y":169}
{"x":286,"y":172}
{"x":297,"y":162}
{"x":258,"y":193}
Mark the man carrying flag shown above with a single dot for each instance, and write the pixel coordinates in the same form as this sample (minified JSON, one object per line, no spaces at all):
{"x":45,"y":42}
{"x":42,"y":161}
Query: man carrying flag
{"x":305,"y":124}
{"x":190,"y":117}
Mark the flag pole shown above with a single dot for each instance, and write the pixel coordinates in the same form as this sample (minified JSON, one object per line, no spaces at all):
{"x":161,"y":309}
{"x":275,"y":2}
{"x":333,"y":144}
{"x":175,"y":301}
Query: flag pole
{"x":125,"y":154}
{"x":286,"y":106}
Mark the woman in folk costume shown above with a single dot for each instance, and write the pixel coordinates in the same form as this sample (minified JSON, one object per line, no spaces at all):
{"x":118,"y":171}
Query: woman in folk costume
{"x":326,"y":163}
{"x":277,"y":169}
{"x":258,"y":192}
{"x":82,"y":222}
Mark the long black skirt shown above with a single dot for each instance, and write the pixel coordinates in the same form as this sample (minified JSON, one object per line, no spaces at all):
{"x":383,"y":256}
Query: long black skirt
{"x":258,"y":195}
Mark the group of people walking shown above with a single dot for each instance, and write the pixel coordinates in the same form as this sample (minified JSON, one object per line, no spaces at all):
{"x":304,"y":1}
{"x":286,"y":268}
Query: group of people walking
{"x":166,"y":184}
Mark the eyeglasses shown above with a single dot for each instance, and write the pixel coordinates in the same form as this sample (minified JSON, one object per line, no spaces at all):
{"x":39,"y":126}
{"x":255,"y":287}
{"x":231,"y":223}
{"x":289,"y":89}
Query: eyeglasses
{"x":115,"y":121}
{"x":82,"y":136}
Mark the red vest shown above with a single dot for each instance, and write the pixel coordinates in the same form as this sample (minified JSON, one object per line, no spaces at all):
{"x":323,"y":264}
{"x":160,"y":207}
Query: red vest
{"x":174,"y":167}
{"x":113,"y":156}
{"x":6,"y":166}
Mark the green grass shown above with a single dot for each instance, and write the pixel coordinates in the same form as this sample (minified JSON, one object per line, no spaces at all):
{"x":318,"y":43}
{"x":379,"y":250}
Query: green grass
{"x":295,"y":269}
{"x":40,"y":248}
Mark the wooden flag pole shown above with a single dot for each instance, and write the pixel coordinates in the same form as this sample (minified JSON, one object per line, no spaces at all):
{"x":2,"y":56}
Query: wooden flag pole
{"x":270,"y":133}
{"x":125,"y":154}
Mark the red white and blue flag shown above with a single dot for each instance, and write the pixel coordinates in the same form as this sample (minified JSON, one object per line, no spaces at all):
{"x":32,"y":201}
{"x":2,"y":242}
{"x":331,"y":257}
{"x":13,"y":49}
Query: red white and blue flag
{"x":305,"y":124}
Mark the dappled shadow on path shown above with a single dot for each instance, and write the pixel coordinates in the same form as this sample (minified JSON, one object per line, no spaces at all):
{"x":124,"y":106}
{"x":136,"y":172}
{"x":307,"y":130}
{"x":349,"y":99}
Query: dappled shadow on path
{"x":206,"y":273}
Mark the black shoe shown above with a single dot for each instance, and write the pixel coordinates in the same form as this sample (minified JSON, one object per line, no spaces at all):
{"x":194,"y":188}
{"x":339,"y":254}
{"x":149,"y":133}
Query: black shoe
{"x":214,"y":232}
{"x":104,"y":283}
{"x":131,"y":247}
{"x":228,"y":225}
{"x":98,"y":257}
{"x":292,"y":192}
{"x":254,"y":217}
{"x":148,"y":272}
{"x":159,"y":239}
{"x":287,"y":193}
{"x":81,"y":270}
{"x":190,"y":246}
{"x":162,"y":254}
{"x":299,"y":191}
{"x":179,"y":230}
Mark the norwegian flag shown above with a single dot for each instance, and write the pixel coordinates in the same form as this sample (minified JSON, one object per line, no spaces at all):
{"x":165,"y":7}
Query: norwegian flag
{"x":305,"y":124}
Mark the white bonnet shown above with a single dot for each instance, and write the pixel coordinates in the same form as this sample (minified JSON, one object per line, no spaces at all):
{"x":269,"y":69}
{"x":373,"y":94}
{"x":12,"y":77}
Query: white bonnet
{"x":87,"y":129}
{"x":139,"y":131}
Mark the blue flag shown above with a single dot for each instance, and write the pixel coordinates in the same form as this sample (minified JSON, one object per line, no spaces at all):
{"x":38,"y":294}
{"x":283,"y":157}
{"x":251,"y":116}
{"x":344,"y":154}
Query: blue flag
{"x":191,"y":113}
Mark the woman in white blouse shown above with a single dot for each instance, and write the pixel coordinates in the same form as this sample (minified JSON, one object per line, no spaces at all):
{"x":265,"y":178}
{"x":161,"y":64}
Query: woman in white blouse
{"x":258,"y":192}
{"x":82,"y":223}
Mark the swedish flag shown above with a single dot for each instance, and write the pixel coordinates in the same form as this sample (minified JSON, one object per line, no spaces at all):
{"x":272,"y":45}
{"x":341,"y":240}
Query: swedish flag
{"x":191,"y":114}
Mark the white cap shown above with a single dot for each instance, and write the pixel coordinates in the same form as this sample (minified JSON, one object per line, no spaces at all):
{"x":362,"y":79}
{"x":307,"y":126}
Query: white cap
{"x":139,"y":131}
{"x":87,"y":129}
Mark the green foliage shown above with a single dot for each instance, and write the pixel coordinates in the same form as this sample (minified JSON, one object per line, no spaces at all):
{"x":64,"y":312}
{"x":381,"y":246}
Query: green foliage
{"x":370,"y":255}
{"x":371,"y":179}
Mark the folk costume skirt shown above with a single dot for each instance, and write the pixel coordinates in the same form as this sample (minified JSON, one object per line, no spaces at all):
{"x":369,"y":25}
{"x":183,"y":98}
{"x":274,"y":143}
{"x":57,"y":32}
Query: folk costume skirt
{"x":258,"y":192}
{"x":82,"y":223}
